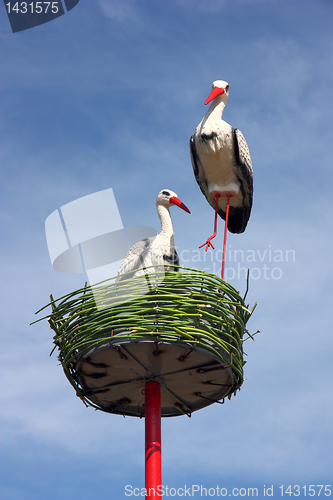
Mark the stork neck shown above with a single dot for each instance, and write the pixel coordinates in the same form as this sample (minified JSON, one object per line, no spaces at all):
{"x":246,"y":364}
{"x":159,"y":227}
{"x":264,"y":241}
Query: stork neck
{"x":165,"y":218}
{"x":216,"y":109}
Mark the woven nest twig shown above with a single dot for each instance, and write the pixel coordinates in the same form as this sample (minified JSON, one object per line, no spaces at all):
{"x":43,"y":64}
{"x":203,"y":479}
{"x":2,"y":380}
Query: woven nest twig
{"x":191,"y":307}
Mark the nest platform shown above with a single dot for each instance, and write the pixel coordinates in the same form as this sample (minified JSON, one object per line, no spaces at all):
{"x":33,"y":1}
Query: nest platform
{"x":185,"y":330}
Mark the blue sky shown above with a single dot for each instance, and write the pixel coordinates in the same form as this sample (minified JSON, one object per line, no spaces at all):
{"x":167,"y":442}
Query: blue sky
{"x":108,"y":96}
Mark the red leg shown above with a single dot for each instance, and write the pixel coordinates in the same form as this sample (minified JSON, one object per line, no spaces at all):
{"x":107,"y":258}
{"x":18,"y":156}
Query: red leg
{"x":208,"y":242}
{"x":225,"y":234}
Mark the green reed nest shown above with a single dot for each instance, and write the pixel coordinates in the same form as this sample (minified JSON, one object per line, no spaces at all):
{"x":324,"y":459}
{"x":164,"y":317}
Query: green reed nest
{"x":191,"y":307}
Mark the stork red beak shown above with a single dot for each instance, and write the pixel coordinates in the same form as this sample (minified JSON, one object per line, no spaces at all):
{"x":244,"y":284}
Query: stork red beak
{"x":214,"y":93}
{"x":176,"y":201}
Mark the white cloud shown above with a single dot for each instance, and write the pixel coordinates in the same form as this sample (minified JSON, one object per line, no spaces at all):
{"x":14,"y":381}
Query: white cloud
{"x":126,"y":10}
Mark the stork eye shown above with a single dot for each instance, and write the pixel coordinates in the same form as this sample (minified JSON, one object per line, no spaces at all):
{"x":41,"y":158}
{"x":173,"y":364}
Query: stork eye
{"x":166,"y":193}
{"x":227,"y":88}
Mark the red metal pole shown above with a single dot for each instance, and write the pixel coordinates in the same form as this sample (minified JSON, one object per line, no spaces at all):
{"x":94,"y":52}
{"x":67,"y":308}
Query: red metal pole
{"x":153,"y":471}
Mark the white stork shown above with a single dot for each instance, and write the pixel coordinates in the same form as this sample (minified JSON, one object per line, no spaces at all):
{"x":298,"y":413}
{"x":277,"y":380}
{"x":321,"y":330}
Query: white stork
{"x":222,"y":164}
{"x":156,"y":250}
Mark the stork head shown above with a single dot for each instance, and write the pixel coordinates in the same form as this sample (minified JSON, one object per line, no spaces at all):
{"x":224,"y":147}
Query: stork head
{"x":220,"y":88}
{"x":168,"y":198}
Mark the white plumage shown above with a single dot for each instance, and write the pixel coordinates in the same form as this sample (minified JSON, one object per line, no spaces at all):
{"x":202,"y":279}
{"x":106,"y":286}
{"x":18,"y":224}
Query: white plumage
{"x":158,"y":250}
{"x":221,"y":161}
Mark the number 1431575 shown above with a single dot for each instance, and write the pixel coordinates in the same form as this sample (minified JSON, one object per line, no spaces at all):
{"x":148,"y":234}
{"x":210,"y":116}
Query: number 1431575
{"x":311,"y":490}
{"x":33,"y":7}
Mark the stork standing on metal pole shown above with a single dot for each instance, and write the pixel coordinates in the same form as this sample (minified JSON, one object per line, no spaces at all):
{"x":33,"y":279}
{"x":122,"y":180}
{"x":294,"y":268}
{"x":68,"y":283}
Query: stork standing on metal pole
{"x":222,"y":166}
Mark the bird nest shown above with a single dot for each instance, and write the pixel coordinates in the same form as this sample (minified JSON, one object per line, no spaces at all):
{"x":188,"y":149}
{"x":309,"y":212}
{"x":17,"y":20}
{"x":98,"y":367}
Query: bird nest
{"x":184,"y":329}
